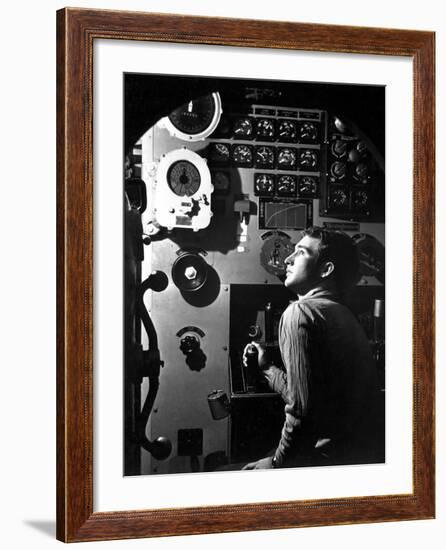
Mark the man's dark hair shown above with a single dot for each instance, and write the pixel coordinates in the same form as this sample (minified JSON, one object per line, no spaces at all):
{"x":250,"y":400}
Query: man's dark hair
{"x":339,"y":248}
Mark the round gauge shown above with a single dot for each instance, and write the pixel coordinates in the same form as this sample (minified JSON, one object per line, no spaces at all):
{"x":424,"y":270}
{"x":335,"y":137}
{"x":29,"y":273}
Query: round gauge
{"x":219,"y":152}
{"x":221,"y":182}
{"x":265,"y":128}
{"x":308,"y":159}
{"x":264,"y":184}
{"x":242,"y":155}
{"x":371,"y":256}
{"x":286,"y":158}
{"x":183,"y":178}
{"x":338,"y":170}
{"x":339,"y":148}
{"x":196,"y":119}
{"x":338,"y":198}
{"x":308,"y":186}
{"x":361,"y":171}
{"x":264,"y":156}
{"x":360,"y":199}
{"x":276,"y":248}
{"x":287,"y":130}
{"x":286,"y":186}
{"x":243,"y":128}
{"x":361,"y":147}
{"x":308,"y":132}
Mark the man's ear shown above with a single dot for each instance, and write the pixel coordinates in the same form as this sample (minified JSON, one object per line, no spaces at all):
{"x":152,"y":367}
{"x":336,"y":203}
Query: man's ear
{"x":327,"y":269}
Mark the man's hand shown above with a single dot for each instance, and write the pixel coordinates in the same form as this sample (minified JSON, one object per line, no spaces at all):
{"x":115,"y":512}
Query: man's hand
{"x":262,"y":464}
{"x":262,"y":359}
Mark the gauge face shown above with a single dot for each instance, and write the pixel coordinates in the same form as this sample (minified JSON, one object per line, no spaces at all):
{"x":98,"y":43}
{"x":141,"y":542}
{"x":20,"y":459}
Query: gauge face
{"x":264,"y":157}
{"x":287,"y":130}
{"x":308,"y":132}
{"x":286,"y":158}
{"x":242,"y":155}
{"x":308,"y":186}
{"x":219,"y":152}
{"x":339,"y":148}
{"x":183,"y":178}
{"x":243,"y":128}
{"x":338,"y":170}
{"x":308,"y":159}
{"x":338,"y":198}
{"x":195,"y":116}
{"x":360,"y":199}
{"x":361,"y":147}
{"x":265,"y":129}
{"x":361,"y":172}
{"x":264,"y":184}
{"x":221,"y":182}
{"x":286,"y":186}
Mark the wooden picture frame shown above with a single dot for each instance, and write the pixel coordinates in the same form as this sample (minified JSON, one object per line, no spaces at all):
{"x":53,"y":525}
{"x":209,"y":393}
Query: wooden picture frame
{"x":77,"y":29}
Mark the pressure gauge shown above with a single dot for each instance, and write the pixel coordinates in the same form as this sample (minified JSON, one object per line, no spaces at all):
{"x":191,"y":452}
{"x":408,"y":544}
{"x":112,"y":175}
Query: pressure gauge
{"x":308,"y":187}
{"x":286,"y":186}
{"x":264,"y":157}
{"x":287,"y":130}
{"x":308,"y":132}
{"x":286,"y":158}
{"x":183,"y":178}
{"x":219,"y":153}
{"x":264,"y":184}
{"x":361,"y":172}
{"x":360,"y":199}
{"x":195,"y":120}
{"x":339,"y":148}
{"x":308,"y":159}
{"x":338,"y":198}
{"x":338,"y":170}
{"x":242,"y":155}
{"x":243,"y":128}
{"x":265,"y":129}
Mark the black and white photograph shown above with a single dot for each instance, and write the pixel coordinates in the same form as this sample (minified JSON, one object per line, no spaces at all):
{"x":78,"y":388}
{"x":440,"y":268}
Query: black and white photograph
{"x":254,"y":274}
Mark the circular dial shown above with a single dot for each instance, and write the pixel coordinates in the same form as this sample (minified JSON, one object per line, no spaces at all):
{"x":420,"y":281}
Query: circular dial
{"x":360,"y":199}
{"x":264,"y":156}
{"x":286,"y":185}
{"x":361,"y":171}
{"x":308,"y":159}
{"x":361,"y":147}
{"x":286,"y":158}
{"x":264,"y":184}
{"x":338,"y":198}
{"x":243,"y":128}
{"x":219,"y":152}
{"x":242,"y":155}
{"x":183,"y":178}
{"x":339,"y":148}
{"x":287,"y":130}
{"x":195,"y":116}
{"x":308,"y":132}
{"x":308,"y":186}
{"x":338,"y":170}
{"x":265,"y":128}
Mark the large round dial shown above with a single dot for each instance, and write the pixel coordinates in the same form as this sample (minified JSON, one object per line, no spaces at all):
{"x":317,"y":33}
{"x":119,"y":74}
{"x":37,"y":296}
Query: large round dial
{"x":183,"y":178}
{"x":198,"y":117}
{"x":338,"y":170}
{"x":339,"y":148}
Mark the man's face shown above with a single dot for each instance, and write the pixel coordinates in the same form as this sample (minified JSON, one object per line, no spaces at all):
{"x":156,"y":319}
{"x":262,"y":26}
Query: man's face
{"x":302,"y":272}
